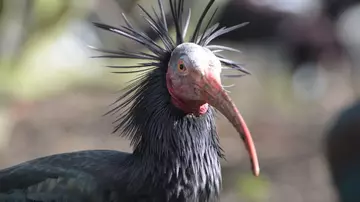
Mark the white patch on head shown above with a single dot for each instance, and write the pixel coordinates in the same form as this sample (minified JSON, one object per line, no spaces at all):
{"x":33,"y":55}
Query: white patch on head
{"x":196,"y":57}
{"x":215,"y":63}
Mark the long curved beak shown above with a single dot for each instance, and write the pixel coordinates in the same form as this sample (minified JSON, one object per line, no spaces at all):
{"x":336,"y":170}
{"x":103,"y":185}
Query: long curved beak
{"x":216,"y":96}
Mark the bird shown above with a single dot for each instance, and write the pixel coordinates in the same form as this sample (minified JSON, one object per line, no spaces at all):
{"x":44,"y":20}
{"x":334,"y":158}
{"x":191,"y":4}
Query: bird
{"x":342,"y":152}
{"x":167,"y":112}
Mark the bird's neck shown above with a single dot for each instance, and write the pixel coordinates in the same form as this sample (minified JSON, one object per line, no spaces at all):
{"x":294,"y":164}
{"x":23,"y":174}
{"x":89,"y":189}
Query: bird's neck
{"x":164,"y":131}
{"x":174,"y":135}
{"x":159,"y":129}
{"x":184,"y":158}
{"x":171,"y":148}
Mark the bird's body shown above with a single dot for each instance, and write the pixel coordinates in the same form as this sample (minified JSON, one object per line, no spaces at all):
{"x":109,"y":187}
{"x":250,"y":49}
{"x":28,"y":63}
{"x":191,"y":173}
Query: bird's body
{"x":167,"y":113}
{"x":342,"y":153}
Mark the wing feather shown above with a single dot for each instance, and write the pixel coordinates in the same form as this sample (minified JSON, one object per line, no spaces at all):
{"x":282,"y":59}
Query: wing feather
{"x":62,"y":177}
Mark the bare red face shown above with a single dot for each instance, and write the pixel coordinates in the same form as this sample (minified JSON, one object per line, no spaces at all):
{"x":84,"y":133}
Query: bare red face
{"x":193,"y":80}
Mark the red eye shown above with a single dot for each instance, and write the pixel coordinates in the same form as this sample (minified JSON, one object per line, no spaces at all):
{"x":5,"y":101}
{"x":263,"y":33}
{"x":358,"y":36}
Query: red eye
{"x":181,"y":66}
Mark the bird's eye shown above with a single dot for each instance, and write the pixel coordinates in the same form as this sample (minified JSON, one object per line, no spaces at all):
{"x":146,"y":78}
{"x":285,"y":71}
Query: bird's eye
{"x":181,"y":66}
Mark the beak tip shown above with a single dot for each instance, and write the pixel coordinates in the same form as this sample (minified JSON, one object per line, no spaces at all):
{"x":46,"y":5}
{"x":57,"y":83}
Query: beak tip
{"x":256,"y":172}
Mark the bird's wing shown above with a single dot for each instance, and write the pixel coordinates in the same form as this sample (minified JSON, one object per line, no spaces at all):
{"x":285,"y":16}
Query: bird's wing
{"x":45,"y":183}
{"x":47,"y":180}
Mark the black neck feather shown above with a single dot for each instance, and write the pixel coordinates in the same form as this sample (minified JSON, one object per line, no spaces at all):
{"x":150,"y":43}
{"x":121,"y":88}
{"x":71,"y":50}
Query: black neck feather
{"x":178,"y":154}
{"x":156,"y":127}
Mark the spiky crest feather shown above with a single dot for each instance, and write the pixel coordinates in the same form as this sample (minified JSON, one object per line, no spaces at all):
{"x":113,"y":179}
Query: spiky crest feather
{"x":158,"y":60}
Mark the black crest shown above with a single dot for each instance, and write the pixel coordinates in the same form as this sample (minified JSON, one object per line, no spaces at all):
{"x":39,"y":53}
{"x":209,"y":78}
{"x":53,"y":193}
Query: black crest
{"x":153,"y":69}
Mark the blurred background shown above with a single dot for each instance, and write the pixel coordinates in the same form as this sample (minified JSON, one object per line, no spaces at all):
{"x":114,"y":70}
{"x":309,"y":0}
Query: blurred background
{"x":304,"y":56}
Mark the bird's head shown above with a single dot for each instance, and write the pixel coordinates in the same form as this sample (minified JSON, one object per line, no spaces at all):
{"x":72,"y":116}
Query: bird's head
{"x":193,"y":81}
{"x":193,"y":78}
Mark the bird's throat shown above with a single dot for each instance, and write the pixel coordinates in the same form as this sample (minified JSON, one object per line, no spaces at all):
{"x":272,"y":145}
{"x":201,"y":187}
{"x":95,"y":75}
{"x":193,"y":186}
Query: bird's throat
{"x":187,"y":106}
{"x":190,"y":107}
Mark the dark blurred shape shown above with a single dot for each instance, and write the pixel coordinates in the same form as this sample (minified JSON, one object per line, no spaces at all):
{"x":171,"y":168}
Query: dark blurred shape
{"x":305,"y":39}
{"x":263,"y":21}
{"x":342,"y":146}
{"x":334,"y":8}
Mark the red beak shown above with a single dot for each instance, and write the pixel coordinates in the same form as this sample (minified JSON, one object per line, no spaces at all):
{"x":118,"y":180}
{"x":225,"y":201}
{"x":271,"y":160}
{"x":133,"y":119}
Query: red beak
{"x":216,"y":96}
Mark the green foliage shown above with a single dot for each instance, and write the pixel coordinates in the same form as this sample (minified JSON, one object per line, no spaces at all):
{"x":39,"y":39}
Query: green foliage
{"x":254,"y":189}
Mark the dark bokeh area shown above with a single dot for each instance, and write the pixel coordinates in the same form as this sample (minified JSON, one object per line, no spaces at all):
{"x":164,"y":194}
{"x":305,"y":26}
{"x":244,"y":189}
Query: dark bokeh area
{"x":300,"y":101}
